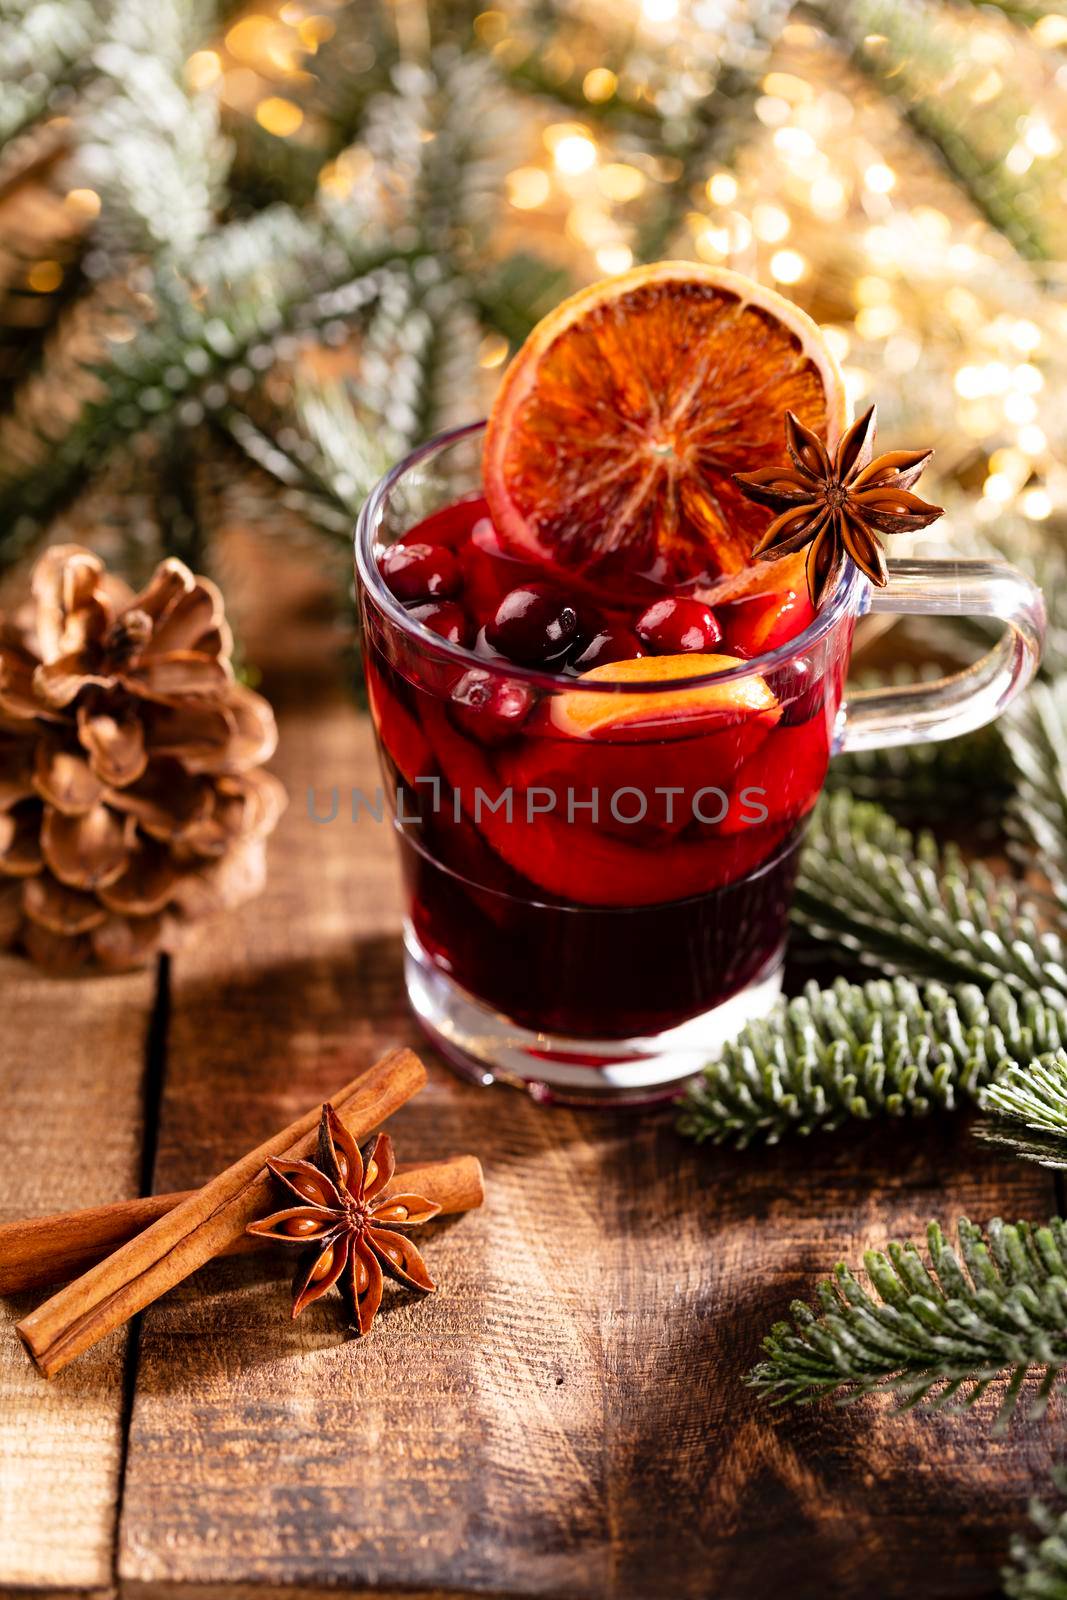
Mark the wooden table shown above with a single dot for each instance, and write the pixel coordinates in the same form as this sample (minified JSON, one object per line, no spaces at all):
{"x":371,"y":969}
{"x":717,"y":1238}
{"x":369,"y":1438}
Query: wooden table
{"x":567,"y":1416}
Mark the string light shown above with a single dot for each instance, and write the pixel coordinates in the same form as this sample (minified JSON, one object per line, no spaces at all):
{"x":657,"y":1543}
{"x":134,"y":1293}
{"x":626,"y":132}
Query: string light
{"x":788,"y":266}
{"x":202,"y":69}
{"x":44,"y":277}
{"x":493,"y":351}
{"x":613,"y":258}
{"x":721,"y":188}
{"x":618,"y":181}
{"x":575,"y":154}
{"x":279,"y":116}
{"x":528,"y":188}
{"x":599,"y":85}
{"x":879,"y":178}
{"x":1036,"y":504}
{"x":770,"y":223}
{"x":86,"y":202}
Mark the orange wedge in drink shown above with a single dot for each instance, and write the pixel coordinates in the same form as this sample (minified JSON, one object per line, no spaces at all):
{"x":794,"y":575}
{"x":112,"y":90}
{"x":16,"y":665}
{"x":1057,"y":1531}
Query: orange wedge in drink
{"x":588,"y":714}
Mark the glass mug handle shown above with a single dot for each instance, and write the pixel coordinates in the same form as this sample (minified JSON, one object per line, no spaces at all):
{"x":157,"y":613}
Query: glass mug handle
{"x":873,"y":719}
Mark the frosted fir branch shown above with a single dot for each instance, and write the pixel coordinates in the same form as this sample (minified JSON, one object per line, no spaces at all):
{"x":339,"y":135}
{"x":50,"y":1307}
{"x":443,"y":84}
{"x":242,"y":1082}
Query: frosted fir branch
{"x":1036,"y":736}
{"x":1038,"y":1570}
{"x":1028,"y":1104}
{"x":860,"y":1051}
{"x":920,"y":56}
{"x":938,"y":1333}
{"x":905,"y":905}
{"x":716,"y":128}
{"x":45,"y":47}
{"x":148,"y":145}
{"x":186,"y":365}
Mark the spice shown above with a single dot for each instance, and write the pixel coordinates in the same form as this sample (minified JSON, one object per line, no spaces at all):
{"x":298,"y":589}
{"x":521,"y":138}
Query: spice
{"x":200,"y":1228}
{"x":346,"y":1224}
{"x":838,"y":507}
{"x":37,"y":1252}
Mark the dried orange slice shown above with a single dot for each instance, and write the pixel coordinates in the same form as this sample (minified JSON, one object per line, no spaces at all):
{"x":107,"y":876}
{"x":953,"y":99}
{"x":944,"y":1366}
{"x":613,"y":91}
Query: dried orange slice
{"x":618,"y":427}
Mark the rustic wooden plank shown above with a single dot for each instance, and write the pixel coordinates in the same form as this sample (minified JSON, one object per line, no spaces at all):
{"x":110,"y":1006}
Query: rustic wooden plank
{"x":566,"y":1417}
{"x":72,"y":1062}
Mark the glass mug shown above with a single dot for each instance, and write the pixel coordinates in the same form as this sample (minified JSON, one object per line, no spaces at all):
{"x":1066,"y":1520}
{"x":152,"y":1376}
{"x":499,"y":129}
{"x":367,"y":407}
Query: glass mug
{"x":598,"y":874}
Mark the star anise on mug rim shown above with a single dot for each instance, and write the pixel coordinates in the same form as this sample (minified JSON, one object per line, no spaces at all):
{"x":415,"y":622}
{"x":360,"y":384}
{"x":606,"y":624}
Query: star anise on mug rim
{"x":346,"y":1224}
{"x":838,"y":506}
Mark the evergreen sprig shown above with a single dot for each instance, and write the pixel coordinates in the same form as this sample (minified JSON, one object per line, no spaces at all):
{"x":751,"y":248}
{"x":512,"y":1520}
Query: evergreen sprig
{"x":1038,"y":1570}
{"x":913,"y":51}
{"x":938,"y":1334}
{"x":1036,"y":736}
{"x":1029,"y":1104}
{"x":901,"y":903}
{"x":858,"y":1051}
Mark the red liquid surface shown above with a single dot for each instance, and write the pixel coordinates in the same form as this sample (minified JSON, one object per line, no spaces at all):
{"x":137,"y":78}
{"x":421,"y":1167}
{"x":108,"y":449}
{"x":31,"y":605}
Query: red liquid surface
{"x":600,"y":926}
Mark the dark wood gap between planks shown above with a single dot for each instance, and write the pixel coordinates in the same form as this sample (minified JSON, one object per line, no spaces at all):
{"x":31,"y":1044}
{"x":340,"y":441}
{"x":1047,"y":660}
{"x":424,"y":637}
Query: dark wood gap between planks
{"x":155,"y":1073}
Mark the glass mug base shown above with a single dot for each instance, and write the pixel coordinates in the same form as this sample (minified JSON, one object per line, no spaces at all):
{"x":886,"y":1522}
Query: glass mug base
{"x":486,"y":1047}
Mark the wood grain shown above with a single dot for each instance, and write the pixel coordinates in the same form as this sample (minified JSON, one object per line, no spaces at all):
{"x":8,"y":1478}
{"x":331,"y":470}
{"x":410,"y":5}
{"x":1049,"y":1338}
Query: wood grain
{"x":72,"y":1095}
{"x":566,"y":1417}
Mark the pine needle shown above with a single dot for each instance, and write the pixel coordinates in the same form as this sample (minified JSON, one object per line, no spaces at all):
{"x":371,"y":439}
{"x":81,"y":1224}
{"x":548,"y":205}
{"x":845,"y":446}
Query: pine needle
{"x":852,"y":1051}
{"x":900,"y":903}
{"x":938,"y":1333}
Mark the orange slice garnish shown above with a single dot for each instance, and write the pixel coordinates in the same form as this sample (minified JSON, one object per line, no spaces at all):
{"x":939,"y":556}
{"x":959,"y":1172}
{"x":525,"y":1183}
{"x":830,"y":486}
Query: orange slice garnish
{"x":618,"y":427}
{"x":587,"y":715}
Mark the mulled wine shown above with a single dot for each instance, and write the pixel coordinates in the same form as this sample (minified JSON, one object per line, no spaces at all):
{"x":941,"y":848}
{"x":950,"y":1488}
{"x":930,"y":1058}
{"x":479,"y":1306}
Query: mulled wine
{"x":599,"y":808}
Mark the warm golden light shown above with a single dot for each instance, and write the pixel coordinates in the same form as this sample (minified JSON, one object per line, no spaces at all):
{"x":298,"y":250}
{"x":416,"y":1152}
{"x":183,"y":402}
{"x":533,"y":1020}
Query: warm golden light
{"x":575,"y":154}
{"x":493,"y":351}
{"x":618,"y":181}
{"x":788,"y":266}
{"x":528,"y":188}
{"x":613,"y":258}
{"x":279,"y":116}
{"x":86,"y":202}
{"x":599,"y":85}
{"x":722,"y":188}
{"x":44,"y":277}
{"x":202,"y":69}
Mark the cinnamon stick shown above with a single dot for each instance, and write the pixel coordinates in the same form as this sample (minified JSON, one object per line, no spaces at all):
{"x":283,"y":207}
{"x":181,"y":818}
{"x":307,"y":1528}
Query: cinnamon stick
{"x":209,"y":1221}
{"x":41,"y":1251}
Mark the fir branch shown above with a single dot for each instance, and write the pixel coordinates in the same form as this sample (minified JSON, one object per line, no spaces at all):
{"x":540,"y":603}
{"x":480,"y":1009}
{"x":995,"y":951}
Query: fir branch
{"x":513,"y":296}
{"x":1036,"y":736}
{"x":937,"y":1335}
{"x":184,"y":365}
{"x":919,"y":55}
{"x":1039,"y":1571}
{"x":1030,"y":1103}
{"x":900,"y":903}
{"x":715,"y":131}
{"x":1040,"y":551}
{"x":852,"y":1051}
{"x":149,"y":147}
{"x":45,"y":47}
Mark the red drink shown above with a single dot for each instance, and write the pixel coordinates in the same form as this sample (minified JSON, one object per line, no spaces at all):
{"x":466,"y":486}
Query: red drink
{"x":599,"y":805}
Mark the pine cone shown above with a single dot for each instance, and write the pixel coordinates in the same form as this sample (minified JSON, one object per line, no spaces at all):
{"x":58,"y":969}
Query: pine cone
{"x":129,"y":803}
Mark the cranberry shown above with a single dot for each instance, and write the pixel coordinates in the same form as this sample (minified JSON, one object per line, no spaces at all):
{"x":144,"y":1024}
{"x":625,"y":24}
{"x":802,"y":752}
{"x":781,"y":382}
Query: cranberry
{"x":443,"y":617}
{"x":800,"y":691}
{"x":612,"y":643}
{"x":421,"y":571}
{"x":532,"y":623}
{"x":676,"y":626}
{"x":490,"y":707}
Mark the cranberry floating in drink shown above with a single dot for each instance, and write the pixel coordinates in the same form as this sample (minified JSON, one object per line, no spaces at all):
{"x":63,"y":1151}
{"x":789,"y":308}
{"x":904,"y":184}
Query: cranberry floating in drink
{"x":603,"y":722}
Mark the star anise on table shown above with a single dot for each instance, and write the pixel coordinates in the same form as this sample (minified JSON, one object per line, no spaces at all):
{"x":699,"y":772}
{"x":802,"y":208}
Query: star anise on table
{"x":346,"y":1223}
{"x":838,"y":506}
